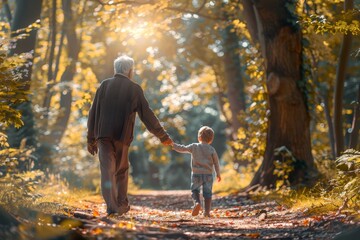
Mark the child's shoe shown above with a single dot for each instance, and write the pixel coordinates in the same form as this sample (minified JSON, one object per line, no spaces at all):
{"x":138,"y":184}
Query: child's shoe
{"x":196,"y":209}
{"x":207,"y":207}
{"x":197,"y":205}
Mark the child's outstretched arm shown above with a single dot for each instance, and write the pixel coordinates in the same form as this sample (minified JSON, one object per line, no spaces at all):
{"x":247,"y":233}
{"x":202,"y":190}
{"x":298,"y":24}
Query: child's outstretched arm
{"x":216,"y":165}
{"x":182,"y":148}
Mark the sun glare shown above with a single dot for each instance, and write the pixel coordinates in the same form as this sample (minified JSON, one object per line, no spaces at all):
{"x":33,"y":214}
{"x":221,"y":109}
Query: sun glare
{"x":137,"y":30}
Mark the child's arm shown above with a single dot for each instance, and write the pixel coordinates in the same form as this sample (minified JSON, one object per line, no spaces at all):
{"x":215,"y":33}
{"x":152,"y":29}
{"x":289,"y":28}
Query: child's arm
{"x":182,"y":148}
{"x":216,"y":165}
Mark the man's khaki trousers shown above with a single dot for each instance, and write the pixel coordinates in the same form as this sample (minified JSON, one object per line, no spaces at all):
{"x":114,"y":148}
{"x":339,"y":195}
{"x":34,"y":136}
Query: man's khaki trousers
{"x":114,"y":166}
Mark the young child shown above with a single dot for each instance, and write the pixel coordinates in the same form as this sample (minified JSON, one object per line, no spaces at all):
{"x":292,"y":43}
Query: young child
{"x":203,"y":160}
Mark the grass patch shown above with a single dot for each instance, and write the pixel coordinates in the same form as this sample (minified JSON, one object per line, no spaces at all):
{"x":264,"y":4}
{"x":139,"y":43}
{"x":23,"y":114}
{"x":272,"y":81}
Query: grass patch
{"x":307,"y":201}
{"x":315,"y":205}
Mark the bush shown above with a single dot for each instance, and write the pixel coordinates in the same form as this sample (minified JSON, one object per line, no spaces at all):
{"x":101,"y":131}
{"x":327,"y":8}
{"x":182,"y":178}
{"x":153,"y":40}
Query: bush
{"x":347,"y":181}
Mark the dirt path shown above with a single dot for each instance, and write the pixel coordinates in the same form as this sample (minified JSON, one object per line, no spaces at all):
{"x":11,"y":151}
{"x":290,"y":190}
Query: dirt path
{"x":167,"y":215}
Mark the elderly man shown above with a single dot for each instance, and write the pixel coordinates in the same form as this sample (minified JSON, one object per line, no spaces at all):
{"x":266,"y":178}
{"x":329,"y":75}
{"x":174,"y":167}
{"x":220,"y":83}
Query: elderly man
{"x":110,"y":130}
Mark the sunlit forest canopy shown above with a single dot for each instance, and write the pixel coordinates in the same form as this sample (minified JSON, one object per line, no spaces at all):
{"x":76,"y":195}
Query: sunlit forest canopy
{"x":278,"y":82}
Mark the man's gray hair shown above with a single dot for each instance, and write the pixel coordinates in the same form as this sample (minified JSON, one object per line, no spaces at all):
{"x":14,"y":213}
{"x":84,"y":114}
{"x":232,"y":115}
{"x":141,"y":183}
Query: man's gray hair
{"x":123,"y":64}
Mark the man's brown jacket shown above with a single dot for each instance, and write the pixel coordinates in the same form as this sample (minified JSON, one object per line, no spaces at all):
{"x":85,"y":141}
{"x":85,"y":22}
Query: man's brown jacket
{"x":112,"y":114}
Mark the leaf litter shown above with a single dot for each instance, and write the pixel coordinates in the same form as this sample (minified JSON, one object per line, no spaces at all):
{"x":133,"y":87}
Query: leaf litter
{"x":167,"y":215}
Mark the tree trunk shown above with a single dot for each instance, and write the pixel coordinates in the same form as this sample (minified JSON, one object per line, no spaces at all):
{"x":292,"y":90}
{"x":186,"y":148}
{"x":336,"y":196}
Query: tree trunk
{"x":61,"y":44}
{"x":354,"y":135}
{"x":73,"y":47}
{"x":26,"y":13}
{"x":50,"y":75}
{"x":339,"y":86}
{"x":323,"y":95}
{"x":50,"y":141}
{"x":330,"y":124}
{"x":288,"y":125}
{"x":7,"y":10}
{"x":233,"y":77}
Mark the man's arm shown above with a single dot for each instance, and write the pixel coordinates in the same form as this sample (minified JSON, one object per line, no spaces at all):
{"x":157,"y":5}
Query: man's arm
{"x":151,"y":122}
{"x":182,"y":149}
{"x":91,"y":141}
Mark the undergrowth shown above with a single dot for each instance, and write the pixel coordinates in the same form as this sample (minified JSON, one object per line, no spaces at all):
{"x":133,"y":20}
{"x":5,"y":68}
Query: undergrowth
{"x":46,"y":193}
{"x":338,"y":192}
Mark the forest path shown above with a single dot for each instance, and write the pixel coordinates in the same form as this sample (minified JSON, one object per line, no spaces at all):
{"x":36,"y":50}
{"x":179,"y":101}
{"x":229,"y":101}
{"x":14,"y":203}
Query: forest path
{"x":167,"y":215}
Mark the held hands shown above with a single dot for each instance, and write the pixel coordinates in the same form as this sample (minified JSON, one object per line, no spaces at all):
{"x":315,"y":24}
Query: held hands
{"x":92,"y":148}
{"x":168,"y":142}
{"x":218,"y":178}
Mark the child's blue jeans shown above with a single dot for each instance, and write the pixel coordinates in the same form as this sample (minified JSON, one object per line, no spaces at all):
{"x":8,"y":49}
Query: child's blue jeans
{"x":204,"y":180}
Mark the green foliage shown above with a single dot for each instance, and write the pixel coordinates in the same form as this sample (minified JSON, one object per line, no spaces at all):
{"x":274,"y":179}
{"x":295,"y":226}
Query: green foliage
{"x":11,"y":91}
{"x":17,"y":181}
{"x":321,"y":25}
{"x":337,"y":191}
{"x":180,"y":64}
{"x":14,"y":160}
{"x":293,"y":17}
{"x":284,"y":166}
{"x":347,"y":181}
{"x":19,"y":189}
{"x":251,"y":138}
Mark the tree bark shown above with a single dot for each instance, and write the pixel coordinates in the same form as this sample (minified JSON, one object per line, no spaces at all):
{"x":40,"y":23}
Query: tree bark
{"x":339,"y":86}
{"x":280,"y":39}
{"x":26,"y":13}
{"x":355,"y":127}
{"x":330,"y":124}
{"x":233,"y":77}
{"x":50,"y":75}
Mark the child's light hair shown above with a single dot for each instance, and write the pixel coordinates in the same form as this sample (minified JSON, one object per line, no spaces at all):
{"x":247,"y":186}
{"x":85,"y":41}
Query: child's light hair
{"x":206,"y":134}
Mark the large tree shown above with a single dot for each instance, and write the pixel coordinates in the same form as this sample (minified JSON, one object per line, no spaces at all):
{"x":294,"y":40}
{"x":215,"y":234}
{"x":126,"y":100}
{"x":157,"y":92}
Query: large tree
{"x":273,"y":24}
{"x":339,"y":86}
{"x":26,"y":13}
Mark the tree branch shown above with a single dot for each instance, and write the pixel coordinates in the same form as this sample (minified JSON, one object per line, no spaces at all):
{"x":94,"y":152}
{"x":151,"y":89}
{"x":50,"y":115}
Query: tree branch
{"x":182,"y":10}
{"x":175,"y":9}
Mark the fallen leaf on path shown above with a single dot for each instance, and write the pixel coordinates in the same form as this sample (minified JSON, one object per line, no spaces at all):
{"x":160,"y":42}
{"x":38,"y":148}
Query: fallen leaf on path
{"x":253,"y":235}
{"x":306,"y":222}
{"x":280,"y":208}
{"x":96,"y":213}
{"x":96,"y":231}
{"x":127,"y":225}
{"x":317,"y":218}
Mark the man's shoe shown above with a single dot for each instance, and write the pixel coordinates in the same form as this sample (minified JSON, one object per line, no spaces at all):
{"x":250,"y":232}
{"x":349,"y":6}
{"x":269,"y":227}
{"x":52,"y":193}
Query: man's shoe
{"x":196,"y":209}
